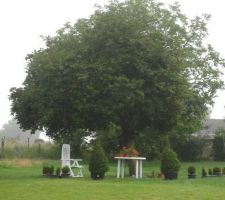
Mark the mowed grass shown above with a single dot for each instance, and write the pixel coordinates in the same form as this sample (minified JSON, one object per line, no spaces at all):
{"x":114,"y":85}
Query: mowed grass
{"x":25,"y":182}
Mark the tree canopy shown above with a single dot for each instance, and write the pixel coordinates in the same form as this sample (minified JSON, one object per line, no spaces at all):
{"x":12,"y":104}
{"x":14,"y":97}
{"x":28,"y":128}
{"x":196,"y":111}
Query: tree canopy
{"x":135,"y":64}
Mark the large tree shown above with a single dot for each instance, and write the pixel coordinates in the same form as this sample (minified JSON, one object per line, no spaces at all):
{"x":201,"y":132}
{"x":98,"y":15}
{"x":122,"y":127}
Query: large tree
{"x":134,"y":64}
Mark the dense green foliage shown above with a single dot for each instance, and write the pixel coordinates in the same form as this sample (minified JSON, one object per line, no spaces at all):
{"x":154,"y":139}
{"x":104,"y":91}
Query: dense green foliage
{"x":76,"y":139}
{"x":204,"y":173}
{"x":218,"y":148}
{"x":98,"y":163}
{"x":65,"y":170}
{"x":217,"y":170}
{"x":135,"y":64}
{"x":58,"y":171}
{"x":189,"y":148}
{"x":169,"y":161}
{"x":45,"y":170}
{"x":218,"y":145}
{"x":191,"y":170}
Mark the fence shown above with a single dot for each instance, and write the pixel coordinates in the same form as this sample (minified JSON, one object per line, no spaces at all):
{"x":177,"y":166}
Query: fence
{"x":14,"y":149}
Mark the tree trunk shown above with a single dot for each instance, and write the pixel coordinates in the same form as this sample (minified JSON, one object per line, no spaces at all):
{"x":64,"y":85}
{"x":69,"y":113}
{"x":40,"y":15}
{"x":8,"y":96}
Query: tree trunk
{"x":132,"y":167}
{"x":131,"y":163}
{"x":127,"y":139}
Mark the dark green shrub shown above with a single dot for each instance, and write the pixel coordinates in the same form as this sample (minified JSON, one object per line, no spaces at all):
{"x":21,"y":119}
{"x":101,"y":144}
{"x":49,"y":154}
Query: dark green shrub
{"x":98,"y":162}
{"x":169,"y":161}
{"x":58,"y":171}
{"x":210,"y":172}
{"x":51,"y":170}
{"x":204,"y":173}
{"x":218,"y":145}
{"x":217,"y":171}
{"x":48,"y":170}
{"x":148,"y":143}
{"x":191,"y":170}
{"x":65,"y":170}
{"x":188,"y":149}
{"x":45,"y":170}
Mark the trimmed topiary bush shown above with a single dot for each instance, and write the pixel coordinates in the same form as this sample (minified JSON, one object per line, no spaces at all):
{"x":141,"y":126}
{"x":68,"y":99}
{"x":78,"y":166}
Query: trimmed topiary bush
{"x":45,"y":170}
{"x":204,"y":173}
{"x":65,"y":170}
{"x":51,"y":170}
{"x":98,"y":162}
{"x":191,"y":172}
{"x":217,"y":171}
{"x":48,"y":170}
{"x":58,"y":171}
{"x":170,"y":164}
{"x":210,"y":172}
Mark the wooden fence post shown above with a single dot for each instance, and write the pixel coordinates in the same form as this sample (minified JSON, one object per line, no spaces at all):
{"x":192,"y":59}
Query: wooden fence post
{"x":2,"y":145}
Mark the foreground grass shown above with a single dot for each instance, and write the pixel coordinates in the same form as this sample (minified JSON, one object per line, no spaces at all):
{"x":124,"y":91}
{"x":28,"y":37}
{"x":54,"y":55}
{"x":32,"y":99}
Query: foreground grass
{"x":27,"y":183}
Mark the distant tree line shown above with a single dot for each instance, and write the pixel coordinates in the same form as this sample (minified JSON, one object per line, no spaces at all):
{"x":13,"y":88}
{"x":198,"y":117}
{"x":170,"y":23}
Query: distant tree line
{"x":11,"y":132}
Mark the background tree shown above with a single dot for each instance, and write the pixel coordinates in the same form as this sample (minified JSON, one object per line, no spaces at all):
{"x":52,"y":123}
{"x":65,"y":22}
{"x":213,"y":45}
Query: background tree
{"x":134,"y":64}
{"x":218,"y":145}
{"x":77,"y":140}
{"x":11,"y":131}
{"x":189,"y":148}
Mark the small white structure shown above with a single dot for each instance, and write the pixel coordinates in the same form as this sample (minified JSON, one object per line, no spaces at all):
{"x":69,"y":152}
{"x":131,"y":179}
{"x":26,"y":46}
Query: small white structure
{"x":71,"y":163}
{"x":121,"y":166}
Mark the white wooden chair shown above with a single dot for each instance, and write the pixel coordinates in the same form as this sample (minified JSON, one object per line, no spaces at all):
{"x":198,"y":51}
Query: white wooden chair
{"x":71,"y":163}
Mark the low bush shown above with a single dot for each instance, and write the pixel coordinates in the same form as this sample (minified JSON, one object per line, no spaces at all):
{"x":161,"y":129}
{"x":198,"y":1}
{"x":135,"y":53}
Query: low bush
{"x":170,"y":164}
{"x":58,"y":171}
{"x":45,"y":170}
{"x":217,"y":171}
{"x":65,"y":170}
{"x":51,"y":170}
{"x":204,"y":173}
{"x":48,"y":170}
{"x":191,"y":170}
{"x":169,"y":161}
{"x":210,"y":172}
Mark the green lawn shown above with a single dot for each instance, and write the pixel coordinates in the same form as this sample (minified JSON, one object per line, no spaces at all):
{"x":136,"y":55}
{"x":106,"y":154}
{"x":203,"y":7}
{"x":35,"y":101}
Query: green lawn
{"x":27,"y":183}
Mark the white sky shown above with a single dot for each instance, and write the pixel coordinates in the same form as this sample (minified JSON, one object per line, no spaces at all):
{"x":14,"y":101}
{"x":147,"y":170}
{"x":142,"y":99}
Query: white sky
{"x":23,"y":21}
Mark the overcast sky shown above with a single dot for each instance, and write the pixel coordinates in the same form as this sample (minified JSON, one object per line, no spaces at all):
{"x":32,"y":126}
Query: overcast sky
{"x":23,"y":21}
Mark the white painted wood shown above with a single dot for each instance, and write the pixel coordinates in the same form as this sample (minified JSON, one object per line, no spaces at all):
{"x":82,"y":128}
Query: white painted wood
{"x":140,"y":162}
{"x":130,"y":158}
{"x":122,"y":169}
{"x":121,"y":166}
{"x":71,"y":163}
{"x":137,"y":169}
{"x":118,"y":168}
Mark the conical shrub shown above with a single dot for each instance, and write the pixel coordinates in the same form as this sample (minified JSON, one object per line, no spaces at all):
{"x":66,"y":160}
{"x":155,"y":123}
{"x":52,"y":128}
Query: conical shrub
{"x":98,"y":162}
